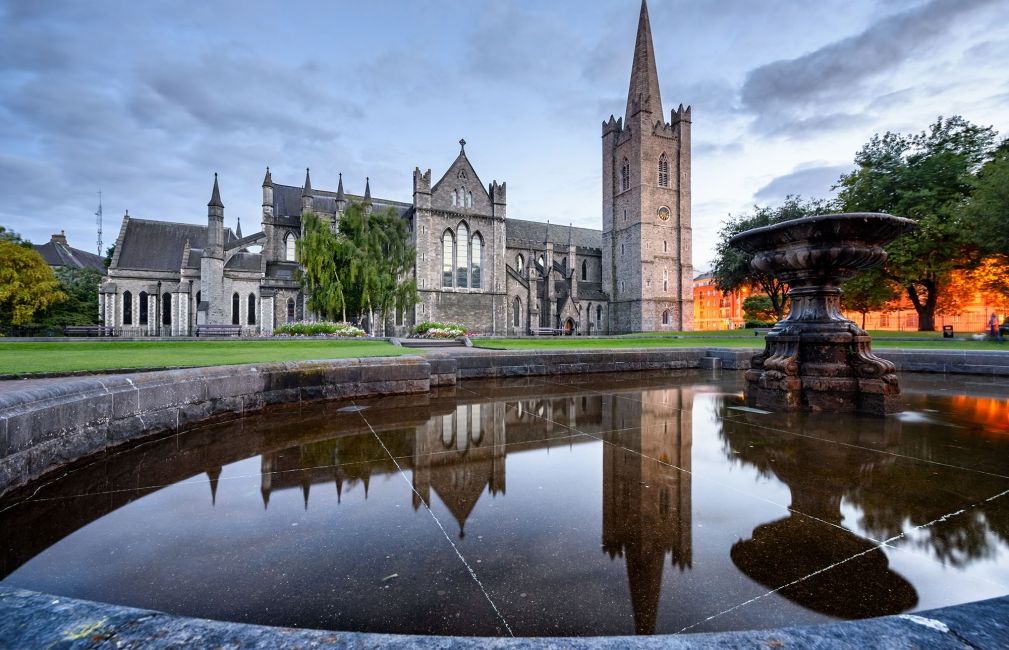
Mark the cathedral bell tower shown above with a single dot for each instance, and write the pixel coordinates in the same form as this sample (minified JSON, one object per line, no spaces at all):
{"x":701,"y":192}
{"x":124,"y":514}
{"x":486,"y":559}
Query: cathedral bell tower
{"x":647,"y":264}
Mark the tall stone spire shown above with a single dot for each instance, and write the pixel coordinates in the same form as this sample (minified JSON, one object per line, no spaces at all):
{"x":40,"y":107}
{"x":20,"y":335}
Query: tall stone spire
{"x":341,"y":198}
{"x":643,"y":93}
{"x":367,"y":191}
{"x":307,"y":190}
{"x":215,"y":196}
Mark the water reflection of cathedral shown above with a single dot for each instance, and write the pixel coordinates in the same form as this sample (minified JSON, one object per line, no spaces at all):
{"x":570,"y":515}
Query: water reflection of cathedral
{"x":461,"y":453}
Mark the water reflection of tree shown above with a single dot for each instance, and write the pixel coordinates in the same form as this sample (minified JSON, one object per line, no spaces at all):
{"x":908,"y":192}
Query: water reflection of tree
{"x":863,"y":461}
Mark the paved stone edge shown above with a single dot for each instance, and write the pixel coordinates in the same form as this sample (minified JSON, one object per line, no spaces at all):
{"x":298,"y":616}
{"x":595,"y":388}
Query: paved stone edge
{"x":30,"y":619}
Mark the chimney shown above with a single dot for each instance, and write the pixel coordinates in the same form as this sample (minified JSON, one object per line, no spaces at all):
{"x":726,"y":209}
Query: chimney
{"x":60,"y":239}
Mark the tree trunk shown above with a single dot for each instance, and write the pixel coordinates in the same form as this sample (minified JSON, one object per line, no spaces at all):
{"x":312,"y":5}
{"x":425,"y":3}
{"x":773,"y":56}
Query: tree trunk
{"x":926,"y":310}
{"x":863,"y":320}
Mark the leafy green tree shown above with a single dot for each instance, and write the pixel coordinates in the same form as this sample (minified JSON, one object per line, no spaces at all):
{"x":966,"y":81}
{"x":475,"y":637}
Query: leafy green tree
{"x":869,"y":291}
{"x":319,"y":277}
{"x":758,"y":309}
{"x":988,"y":210}
{"x":27,"y":284}
{"x":81,"y":304}
{"x":109,"y":252}
{"x":13,"y":237}
{"x":927,"y":177}
{"x":732,"y":266}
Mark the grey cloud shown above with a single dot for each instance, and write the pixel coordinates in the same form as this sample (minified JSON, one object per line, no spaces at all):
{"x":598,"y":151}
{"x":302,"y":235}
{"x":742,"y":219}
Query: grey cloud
{"x":810,"y":180}
{"x":781,"y":90}
{"x":704,"y":149}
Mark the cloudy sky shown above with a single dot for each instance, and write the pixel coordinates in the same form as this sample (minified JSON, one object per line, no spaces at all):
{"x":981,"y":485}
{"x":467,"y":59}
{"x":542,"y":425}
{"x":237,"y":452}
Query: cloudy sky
{"x":146,"y":100}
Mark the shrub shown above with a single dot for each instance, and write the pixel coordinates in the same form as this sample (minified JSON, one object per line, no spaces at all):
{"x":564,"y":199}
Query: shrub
{"x":321,"y":328}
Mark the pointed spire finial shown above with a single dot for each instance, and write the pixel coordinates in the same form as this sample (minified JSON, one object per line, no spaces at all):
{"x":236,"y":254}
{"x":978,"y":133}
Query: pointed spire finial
{"x":462,"y":145}
{"x":367,"y":189}
{"x":268,"y":179}
{"x":307,"y":191}
{"x":643,"y":92}
{"x":215,"y":196}
{"x":340,"y":196}
{"x":238,"y":228}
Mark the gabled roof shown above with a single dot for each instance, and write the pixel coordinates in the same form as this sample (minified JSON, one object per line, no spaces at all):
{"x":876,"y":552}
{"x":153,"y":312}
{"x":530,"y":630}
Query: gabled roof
{"x":158,"y":245}
{"x":532,"y":234}
{"x":287,"y":201}
{"x":245,"y":262}
{"x":59,"y":254}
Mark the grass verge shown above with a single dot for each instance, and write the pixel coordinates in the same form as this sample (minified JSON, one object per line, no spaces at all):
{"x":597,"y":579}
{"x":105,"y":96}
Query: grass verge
{"x":77,"y":356}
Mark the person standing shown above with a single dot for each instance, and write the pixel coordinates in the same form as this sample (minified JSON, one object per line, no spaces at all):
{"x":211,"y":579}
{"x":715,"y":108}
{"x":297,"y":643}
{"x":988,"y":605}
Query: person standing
{"x":993,"y":325}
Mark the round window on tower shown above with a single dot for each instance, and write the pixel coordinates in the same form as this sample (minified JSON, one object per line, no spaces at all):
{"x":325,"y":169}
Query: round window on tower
{"x":664,"y":213}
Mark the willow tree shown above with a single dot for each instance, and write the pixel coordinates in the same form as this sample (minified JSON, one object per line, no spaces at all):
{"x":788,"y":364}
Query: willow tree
{"x":319,"y":276}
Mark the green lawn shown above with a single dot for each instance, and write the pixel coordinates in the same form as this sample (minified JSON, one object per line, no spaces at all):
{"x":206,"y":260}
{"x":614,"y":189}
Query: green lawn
{"x":65,"y":356}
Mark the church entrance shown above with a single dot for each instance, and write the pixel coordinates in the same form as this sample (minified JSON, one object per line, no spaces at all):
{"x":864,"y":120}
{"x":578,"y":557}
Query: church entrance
{"x":569,"y":327}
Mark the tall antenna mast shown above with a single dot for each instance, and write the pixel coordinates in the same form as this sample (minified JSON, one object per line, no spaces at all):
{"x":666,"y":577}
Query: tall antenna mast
{"x":99,"y":216}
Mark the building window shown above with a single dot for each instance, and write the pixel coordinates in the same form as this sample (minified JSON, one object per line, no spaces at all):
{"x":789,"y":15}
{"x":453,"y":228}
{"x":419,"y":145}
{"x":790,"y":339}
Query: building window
{"x":235,"y":302}
{"x":520,"y":264}
{"x":665,"y":247}
{"x":461,"y":264}
{"x":517,"y":312}
{"x":252,"y":309}
{"x":585,"y":270}
{"x":665,"y":280}
{"x":665,"y":317}
{"x":127,"y":308}
{"x":625,"y":176}
{"x":290,"y":310}
{"x":455,"y":197}
{"x":542,"y":262}
{"x":599,"y":316}
{"x":469,"y":199}
{"x":476,"y":258}
{"x":166,"y":309}
{"x":143,"y":307}
{"x":663,"y":171}
{"x":289,"y":246}
{"x":447,"y":257}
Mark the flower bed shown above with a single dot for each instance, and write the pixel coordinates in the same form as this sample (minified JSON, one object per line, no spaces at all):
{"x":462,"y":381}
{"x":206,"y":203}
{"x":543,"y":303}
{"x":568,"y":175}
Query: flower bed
{"x":322,"y":328}
{"x":434,"y":330}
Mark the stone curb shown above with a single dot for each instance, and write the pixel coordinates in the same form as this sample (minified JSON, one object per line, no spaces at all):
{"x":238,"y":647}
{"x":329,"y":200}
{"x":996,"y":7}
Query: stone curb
{"x":33,"y":620}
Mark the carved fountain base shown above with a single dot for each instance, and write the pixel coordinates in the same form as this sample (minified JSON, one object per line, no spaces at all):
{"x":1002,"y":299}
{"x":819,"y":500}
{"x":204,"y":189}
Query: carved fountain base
{"x":816,"y":359}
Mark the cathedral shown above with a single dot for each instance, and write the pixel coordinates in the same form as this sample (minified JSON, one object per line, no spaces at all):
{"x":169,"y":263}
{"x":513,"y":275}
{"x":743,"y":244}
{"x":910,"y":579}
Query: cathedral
{"x":476,"y":265}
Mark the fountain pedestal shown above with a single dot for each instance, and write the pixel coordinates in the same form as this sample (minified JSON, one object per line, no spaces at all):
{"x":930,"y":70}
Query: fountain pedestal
{"x":815,"y":359}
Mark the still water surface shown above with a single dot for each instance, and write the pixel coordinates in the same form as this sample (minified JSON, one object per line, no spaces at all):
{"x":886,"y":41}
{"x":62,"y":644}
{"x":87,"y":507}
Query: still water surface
{"x":589,"y":505}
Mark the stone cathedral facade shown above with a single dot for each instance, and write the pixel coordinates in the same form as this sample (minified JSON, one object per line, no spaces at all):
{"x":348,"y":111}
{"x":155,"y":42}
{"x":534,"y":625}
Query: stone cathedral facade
{"x":476,"y":264}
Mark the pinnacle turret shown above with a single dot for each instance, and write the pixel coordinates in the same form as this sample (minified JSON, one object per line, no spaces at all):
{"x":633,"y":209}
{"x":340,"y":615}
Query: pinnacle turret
{"x":340,"y":196}
{"x":238,"y":228}
{"x":367,"y":190}
{"x":643,"y":92}
{"x":307,"y":191}
{"x":268,"y":179}
{"x":215,"y":196}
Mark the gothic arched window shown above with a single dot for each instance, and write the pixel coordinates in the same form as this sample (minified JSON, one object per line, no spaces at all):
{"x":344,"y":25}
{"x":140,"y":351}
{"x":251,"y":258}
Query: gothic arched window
{"x":252,"y":309}
{"x":127,"y":308}
{"x":166,"y":309}
{"x":517,"y":311}
{"x":143,"y":308}
{"x":469,"y":199}
{"x":476,"y":261}
{"x":290,"y":310}
{"x":585,"y":270}
{"x":461,"y":263}
{"x":665,"y":280}
{"x":665,"y":317}
{"x":447,"y":258}
{"x":599,"y":316}
{"x":520,"y":264}
{"x":455,"y":197}
{"x":289,"y":246}
{"x":663,"y":171}
{"x":625,"y":176}
{"x":235,"y":304}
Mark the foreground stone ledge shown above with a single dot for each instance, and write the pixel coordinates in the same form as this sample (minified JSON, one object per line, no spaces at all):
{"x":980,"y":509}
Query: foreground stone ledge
{"x":34,"y":620}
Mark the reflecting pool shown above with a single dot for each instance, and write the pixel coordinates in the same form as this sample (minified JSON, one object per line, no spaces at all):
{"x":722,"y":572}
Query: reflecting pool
{"x":637,"y":503}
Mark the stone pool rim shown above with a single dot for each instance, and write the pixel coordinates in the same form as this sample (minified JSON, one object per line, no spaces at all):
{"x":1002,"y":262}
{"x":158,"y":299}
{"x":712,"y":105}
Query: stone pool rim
{"x":49,"y":426}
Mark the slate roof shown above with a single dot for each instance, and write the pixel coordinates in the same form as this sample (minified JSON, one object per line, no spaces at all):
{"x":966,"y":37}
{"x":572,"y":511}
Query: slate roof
{"x":287,"y":201}
{"x":245,"y":262}
{"x":157,"y":245}
{"x":195,"y":255}
{"x":531,"y":234}
{"x":58,"y":254}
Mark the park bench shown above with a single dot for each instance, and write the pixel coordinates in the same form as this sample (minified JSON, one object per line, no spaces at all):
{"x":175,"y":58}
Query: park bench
{"x":547,"y":331}
{"x":89,"y":330}
{"x":218,"y":330}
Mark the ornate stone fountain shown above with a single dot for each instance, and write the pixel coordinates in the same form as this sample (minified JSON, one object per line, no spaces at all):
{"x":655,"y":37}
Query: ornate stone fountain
{"x":816,"y":359}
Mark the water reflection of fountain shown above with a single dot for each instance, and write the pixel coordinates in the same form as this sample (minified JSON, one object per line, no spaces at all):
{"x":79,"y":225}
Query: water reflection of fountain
{"x":815,"y":561}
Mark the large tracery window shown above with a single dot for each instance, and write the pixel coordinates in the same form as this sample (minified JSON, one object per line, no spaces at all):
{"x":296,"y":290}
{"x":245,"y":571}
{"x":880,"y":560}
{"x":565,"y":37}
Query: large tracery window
{"x":625,"y":176}
{"x":448,"y":257}
{"x":476,"y":257}
{"x":663,"y":171}
{"x":461,"y":264}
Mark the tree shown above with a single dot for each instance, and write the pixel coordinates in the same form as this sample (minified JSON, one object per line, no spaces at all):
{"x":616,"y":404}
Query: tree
{"x":758,"y":309}
{"x":109,"y":252}
{"x":732,"y":266}
{"x":869,"y":291}
{"x":13,"y":237}
{"x":81,"y":304}
{"x":927,"y":177}
{"x":364,"y":267}
{"x":27,"y":284}
{"x":988,"y":210}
